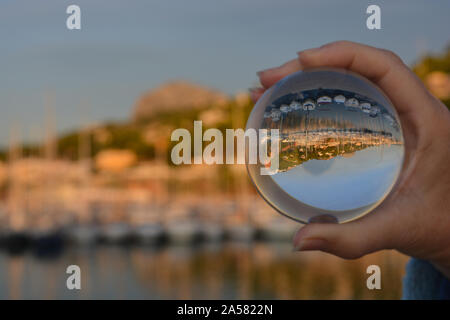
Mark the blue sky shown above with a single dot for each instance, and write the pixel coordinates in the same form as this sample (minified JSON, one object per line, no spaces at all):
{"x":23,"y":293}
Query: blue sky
{"x":128,"y":47}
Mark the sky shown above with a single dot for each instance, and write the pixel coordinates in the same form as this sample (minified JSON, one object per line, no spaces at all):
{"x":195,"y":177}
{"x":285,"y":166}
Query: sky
{"x":125,"y":48}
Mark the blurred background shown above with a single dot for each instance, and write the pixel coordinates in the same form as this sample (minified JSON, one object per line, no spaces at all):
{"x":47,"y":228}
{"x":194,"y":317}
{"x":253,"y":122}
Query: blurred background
{"x":85,"y":172}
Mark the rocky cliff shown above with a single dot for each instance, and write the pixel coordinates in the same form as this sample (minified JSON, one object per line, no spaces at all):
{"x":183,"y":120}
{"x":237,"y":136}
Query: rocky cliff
{"x":176,"y":95}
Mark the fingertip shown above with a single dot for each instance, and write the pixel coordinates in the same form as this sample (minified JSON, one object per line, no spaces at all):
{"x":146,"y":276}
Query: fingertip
{"x":349,"y":241}
{"x":260,"y":74}
{"x":263,"y":73}
{"x":296,"y":237}
{"x":315,"y":236}
{"x":305,"y":56}
{"x":301,"y":234}
{"x":311,"y":244}
{"x":270,"y":76}
{"x":256,"y":93}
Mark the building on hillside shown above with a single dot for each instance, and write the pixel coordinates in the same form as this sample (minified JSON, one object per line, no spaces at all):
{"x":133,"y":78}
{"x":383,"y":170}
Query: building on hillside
{"x":177,"y":96}
{"x":439,"y":84}
{"x":3,"y":173}
{"x":115,"y":160}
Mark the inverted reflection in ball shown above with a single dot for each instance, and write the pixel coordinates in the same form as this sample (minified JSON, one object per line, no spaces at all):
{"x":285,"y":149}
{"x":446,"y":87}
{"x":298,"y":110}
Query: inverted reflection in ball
{"x":340,"y":150}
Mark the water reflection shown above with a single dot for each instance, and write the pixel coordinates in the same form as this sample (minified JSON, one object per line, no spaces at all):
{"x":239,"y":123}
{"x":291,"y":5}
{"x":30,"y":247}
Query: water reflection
{"x":350,"y":143}
{"x":313,"y":126}
{"x":220,"y":271}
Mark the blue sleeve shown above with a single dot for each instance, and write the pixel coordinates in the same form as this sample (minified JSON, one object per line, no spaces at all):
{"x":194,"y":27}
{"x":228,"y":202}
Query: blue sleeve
{"x":423,"y":282}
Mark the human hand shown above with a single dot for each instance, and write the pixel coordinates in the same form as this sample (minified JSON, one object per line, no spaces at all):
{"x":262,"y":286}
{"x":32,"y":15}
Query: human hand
{"x":415,"y":217}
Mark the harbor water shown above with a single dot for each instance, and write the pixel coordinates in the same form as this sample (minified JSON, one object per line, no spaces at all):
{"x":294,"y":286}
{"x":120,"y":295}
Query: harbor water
{"x":220,"y":270}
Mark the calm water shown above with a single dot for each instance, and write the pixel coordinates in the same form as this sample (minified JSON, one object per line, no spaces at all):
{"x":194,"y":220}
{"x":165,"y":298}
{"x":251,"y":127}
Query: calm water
{"x":222,"y":271}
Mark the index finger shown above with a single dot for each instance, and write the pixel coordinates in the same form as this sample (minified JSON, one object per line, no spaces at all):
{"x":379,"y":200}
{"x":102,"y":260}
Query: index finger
{"x":382,"y":67}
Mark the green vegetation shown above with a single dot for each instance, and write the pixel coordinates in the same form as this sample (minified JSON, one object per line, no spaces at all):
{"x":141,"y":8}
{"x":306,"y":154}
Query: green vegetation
{"x":134,"y":136}
{"x":293,"y":155}
{"x":432,"y":63}
{"x":116,"y":136}
{"x":130,"y":135}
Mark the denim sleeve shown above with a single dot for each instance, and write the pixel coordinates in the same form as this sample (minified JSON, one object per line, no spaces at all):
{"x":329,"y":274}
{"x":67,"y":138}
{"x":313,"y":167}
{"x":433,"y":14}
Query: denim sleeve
{"x":423,"y":282}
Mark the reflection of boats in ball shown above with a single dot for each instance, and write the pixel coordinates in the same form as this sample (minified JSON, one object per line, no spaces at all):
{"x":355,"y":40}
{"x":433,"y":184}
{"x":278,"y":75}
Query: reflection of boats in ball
{"x":339,"y":154}
{"x":374,"y":111}
{"x":295,"y":105}
{"x":339,"y":99}
{"x":285,"y":108}
{"x":309,"y":105}
{"x":267,"y":114}
{"x":365,"y":107}
{"x":389,"y":119}
{"x":352,"y":103}
{"x":324,"y":100}
{"x":276,"y":114}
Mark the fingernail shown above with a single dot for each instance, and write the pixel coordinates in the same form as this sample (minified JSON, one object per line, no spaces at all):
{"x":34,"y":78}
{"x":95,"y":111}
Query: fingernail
{"x":310,"y":244}
{"x":307,"y":51}
{"x":254,"y":93}
{"x":292,"y":64}
{"x":254,"y":89}
{"x":297,"y":236}
{"x":260,"y":73}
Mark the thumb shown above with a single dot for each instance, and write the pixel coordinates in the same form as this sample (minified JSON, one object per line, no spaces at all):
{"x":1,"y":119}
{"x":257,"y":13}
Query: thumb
{"x":350,"y":240}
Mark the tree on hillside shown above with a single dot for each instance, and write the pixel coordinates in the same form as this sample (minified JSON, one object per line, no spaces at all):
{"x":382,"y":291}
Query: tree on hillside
{"x":434,"y":70}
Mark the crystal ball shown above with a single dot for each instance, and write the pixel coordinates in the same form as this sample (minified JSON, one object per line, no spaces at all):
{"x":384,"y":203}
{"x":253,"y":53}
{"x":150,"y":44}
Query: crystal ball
{"x":340,"y":146}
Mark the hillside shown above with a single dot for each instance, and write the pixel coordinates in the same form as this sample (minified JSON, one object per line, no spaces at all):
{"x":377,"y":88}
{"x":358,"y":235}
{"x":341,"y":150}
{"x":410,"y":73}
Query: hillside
{"x":176,"y":96}
{"x":156,"y":114}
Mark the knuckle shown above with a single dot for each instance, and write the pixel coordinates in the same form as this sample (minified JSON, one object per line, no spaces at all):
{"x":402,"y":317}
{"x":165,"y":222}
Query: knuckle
{"x":355,"y":253}
{"x":354,"y":249}
{"x":350,"y":255}
{"x":346,"y":250}
{"x":392,"y":56}
{"x":340,"y":43}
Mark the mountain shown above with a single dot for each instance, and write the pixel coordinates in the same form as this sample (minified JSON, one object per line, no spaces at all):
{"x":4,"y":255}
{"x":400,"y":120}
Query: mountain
{"x":174,"y":96}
